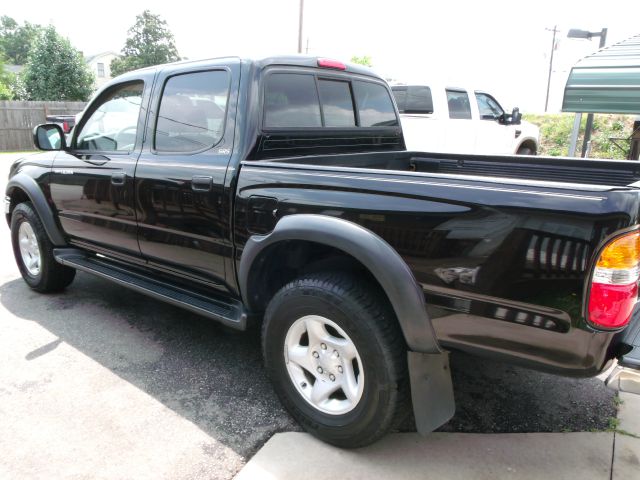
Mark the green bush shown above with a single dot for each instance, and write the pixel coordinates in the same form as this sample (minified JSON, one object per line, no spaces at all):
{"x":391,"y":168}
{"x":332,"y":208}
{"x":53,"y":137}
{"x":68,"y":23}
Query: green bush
{"x":555,"y":134}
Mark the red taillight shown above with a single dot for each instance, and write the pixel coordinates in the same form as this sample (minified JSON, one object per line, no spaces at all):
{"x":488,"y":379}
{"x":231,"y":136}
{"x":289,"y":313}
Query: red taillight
{"x":614,"y":285}
{"x":328,"y":63}
{"x":610,"y":306}
{"x":65,"y":127}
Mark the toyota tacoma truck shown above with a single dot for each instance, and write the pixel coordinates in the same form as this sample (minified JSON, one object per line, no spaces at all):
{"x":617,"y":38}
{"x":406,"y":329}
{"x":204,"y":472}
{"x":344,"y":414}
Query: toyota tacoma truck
{"x":279,"y":193}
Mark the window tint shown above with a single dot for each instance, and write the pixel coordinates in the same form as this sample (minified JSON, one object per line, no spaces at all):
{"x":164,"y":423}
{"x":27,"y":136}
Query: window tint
{"x":419,"y":100}
{"x":192,"y":112}
{"x":291,"y":100}
{"x":488,"y":107}
{"x":459,"y":106}
{"x":113,"y":125}
{"x":337,"y":105}
{"x":400,"y":94}
{"x":374,"y":105}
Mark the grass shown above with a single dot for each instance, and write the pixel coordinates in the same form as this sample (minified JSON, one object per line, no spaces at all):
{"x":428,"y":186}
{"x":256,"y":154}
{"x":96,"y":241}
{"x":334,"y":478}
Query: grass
{"x":555,"y":134}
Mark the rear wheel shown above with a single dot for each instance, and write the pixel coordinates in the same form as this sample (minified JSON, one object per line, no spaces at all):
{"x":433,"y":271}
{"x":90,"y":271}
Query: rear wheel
{"x":33,"y":252}
{"x":337,"y":358}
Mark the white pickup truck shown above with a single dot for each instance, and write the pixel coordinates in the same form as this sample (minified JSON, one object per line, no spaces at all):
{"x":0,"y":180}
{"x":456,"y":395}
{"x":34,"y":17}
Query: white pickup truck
{"x":460,"y":120}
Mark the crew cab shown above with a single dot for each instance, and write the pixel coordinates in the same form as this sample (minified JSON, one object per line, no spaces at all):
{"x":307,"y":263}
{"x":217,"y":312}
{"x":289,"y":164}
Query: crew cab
{"x":438,"y":118}
{"x":278,"y":193}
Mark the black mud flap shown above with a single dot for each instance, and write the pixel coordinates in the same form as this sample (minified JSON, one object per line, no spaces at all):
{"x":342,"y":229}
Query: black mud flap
{"x":431,"y":390}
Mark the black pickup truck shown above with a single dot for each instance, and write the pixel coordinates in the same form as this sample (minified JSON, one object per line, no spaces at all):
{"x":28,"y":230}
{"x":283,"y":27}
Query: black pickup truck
{"x":278,"y":193}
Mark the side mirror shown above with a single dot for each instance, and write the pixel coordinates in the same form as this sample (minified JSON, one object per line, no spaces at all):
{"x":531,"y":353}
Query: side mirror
{"x":49,"y":137}
{"x":514,"y":118}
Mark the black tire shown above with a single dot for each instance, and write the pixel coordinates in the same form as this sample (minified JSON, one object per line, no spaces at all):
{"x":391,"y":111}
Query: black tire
{"x":369,"y":322}
{"x":525,"y":151}
{"x":52,"y":276}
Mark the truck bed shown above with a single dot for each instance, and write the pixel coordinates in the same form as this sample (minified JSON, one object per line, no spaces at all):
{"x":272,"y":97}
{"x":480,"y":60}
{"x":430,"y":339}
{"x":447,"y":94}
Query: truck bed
{"x":601,"y":173}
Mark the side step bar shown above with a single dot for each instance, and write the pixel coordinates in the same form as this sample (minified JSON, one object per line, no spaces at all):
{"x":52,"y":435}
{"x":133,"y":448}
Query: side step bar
{"x":230,"y":314}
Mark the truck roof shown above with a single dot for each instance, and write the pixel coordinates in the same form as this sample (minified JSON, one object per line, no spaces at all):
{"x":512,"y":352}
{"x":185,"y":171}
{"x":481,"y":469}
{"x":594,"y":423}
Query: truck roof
{"x":308,"y":61}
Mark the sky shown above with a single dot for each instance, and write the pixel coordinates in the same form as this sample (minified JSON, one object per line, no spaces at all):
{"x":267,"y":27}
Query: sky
{"x":502,"y":47}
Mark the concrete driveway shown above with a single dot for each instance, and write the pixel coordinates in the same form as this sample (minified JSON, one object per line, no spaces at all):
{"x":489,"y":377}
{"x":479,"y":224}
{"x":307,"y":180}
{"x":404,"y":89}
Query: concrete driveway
{"x":102,"y":383}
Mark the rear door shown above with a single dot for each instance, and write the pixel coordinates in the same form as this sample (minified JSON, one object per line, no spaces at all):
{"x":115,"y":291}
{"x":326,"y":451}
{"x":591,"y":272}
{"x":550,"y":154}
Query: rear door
{"x":183,"y":209}
{"x":461,"y":128}
{"x":92,"y":183}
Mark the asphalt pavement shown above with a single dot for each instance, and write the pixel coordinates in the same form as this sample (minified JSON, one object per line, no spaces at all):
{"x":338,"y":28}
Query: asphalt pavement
{"x":102,"y":382}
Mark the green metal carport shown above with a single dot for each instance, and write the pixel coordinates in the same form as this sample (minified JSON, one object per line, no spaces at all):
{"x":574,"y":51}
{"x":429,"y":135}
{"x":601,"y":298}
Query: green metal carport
{"x":607,"y":81}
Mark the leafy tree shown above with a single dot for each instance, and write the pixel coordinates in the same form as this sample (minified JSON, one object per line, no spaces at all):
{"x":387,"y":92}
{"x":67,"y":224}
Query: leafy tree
{"x":150,"y":42}
{"x":16,"y":40}
{"x":364,"y":60}
{"x":7,"y":80}
{"x":56,"y":71}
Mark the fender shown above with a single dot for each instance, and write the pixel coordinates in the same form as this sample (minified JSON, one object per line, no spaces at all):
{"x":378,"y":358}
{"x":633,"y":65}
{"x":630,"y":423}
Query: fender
{"x":386,"y":265}
{"x":27,"y":184}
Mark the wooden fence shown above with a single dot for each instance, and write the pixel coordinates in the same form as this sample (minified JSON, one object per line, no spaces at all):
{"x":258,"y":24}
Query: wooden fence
{"x":18,"y":118}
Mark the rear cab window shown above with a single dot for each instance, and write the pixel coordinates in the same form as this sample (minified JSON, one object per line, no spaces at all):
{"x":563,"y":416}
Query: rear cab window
{"x":310,"y":100}
{"x":413,"y":99}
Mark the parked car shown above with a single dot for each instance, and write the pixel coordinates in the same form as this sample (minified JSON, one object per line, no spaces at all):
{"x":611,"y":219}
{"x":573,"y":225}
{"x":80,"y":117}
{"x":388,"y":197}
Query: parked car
{"x":436,"y":118}
{"x":278,"y":192}
{"x":66,"y":122}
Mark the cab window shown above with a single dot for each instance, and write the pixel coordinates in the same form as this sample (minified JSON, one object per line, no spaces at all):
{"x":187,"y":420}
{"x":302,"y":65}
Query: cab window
{"x":459,"y":106}
{"x":488,"y":107}
{"x":113,"y":125}
{"x":291,"y":101}
{"x":192,"y":112}
{"x":374,"y":105}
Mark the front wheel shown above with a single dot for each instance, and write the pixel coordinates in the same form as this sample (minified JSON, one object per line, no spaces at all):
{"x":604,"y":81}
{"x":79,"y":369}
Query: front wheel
{"x":337,"y":358}
{"x":525,"y":151}
{"x":33,"y":252}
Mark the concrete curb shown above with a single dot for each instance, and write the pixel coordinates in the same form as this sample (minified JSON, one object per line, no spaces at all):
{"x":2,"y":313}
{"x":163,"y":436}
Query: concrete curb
{"x":584,"y":456}
{"x":580,"y":456}
{"x":626,"y":450}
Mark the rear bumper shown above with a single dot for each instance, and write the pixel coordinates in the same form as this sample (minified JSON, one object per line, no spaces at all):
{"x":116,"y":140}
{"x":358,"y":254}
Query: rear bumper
{"x":624,"y":379}
{"x":625,"y":376}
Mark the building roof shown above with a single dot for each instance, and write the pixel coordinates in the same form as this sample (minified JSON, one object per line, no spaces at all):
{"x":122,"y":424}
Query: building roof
{"x":607,"y":81}
{"x":90,"y":58}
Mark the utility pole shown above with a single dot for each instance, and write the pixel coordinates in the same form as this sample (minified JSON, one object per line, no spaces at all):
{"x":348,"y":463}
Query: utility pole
{"x":553,"y":47}
{"x":300,"y":26}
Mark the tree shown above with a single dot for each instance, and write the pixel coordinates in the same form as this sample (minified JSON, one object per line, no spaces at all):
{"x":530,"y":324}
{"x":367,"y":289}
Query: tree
{"x":364,"y":60}
{"x":150,"y":42}
{"x":17,"y":40}
{"x":7,"y":79}
{"x":56,"y":71}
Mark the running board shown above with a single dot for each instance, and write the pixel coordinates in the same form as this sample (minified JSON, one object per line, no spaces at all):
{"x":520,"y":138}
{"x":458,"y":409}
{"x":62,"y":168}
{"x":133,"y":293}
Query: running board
{"x":228,"y":313}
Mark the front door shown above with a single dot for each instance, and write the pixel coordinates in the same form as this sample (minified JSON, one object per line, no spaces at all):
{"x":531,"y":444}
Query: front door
{"x":92,"y":182}
{"x":493,"y":137}
{"x":183,"y":204}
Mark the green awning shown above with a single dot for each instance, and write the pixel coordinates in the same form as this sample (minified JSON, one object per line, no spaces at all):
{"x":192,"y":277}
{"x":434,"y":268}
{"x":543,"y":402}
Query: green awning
{"x":607,"y":81}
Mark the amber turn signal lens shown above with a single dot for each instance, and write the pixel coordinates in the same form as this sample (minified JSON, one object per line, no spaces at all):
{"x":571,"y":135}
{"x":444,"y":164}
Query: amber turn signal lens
{"x":622,"y":253}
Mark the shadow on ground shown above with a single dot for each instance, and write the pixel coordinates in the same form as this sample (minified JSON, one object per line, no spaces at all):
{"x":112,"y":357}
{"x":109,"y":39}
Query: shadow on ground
{"x":215,"y":379}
